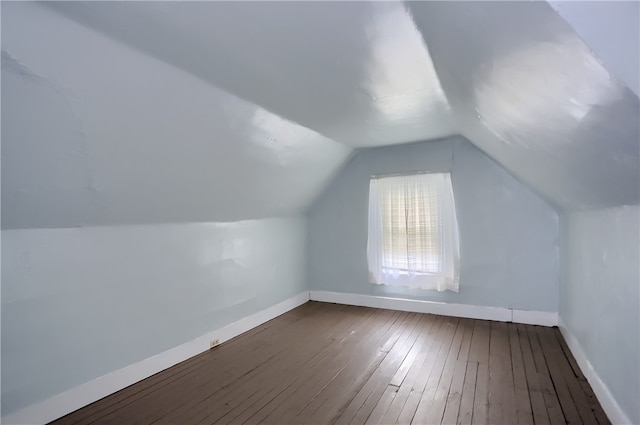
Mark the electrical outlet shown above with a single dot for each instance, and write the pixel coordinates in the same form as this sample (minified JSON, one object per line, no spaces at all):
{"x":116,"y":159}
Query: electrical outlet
{"x":214,"y":343}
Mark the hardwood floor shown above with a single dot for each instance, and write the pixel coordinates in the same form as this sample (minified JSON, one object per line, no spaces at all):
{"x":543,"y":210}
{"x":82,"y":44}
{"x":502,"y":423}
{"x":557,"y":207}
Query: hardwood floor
{"x":333,"y":364}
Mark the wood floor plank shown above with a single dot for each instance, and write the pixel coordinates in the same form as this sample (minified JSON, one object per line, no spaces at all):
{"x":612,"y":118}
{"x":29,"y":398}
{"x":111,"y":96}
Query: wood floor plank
{"x":522,"y":399}
{"x":427,"y":384}
{"x":212,"y":380}
{"x":267,"y":409}
{"x":569,"y":409}
{"x":538,"y":406}
{"x":374,"y":388}
{"x":480,"y":353}
{"x":574,"y":403}
{"x":382,"y":405}
{"x":382,"y":414}
{"x":205,"y":386}
{"x":272,"y":387}
{"x":496,"y":378}
{"x":325,"y":364}
{"x":454,"y":398}
{"x":431,"y":403}
{"x":337,"y":398}
{"x":100,"y":409}
{"x":431,"y":339}
{"x":347,"y":358}
{"x":551,"y":401}
{"x":468,"y":394}
{"x":431,"y":371}
{"x":587,"y":391}
{"x":502,"y":395}
{"x":446,"y":384}
{"x":479,"y":350}
{"x":366,"y":386}
{"x":329,"y":402}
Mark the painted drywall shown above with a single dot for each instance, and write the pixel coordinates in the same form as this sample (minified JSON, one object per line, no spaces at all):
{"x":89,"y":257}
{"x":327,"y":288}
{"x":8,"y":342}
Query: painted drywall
{"x":357,"y":72}
{"x":95,"y":132}
{"x":80,"y":303}
{"x":528,"y":91}
{"x":600,"y":296}
{"x":612,"y":31}
{"x":508,"y":235}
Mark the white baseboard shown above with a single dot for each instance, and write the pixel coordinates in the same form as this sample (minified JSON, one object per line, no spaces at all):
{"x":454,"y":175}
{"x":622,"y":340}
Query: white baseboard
{"x":501,"y":314}
{"x":542,"y":318}
{"x":607,"y":401}
{"x":82,"y":395}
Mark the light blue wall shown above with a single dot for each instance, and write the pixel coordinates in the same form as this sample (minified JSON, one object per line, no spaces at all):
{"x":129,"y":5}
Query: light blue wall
{"x":79,"y":303}
{"x":508,"y":235}
{"x":97,"y":133}
{"x":600,"y":296}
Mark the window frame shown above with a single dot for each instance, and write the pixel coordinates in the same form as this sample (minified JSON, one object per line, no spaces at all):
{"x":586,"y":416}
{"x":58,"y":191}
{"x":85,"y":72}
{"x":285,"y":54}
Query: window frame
{"x":429,"y":191}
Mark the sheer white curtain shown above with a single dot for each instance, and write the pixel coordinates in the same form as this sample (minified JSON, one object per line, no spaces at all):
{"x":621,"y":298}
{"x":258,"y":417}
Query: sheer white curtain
{"x":413,"y":232}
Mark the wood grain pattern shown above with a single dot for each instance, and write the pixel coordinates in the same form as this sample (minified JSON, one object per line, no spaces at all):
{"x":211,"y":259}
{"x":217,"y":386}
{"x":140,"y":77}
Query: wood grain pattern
{"x":333,"y":364}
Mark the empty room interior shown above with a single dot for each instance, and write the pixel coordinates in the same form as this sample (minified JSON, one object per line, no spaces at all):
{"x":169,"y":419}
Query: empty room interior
{"x":320,"y":212}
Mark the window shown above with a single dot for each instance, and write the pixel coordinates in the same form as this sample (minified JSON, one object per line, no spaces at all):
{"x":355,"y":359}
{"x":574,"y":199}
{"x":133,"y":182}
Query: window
{"x":413,"y":232}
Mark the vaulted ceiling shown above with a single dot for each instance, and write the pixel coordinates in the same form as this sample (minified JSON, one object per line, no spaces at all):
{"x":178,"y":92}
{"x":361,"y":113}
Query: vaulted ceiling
{"x":138,"y":112}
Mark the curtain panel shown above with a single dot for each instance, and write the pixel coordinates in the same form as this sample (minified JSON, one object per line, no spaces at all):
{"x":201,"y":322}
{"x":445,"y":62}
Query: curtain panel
{"x":413,"y":232}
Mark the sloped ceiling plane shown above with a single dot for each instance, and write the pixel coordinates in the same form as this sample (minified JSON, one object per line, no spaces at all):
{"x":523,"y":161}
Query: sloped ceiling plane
{"x":237,"y":110}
